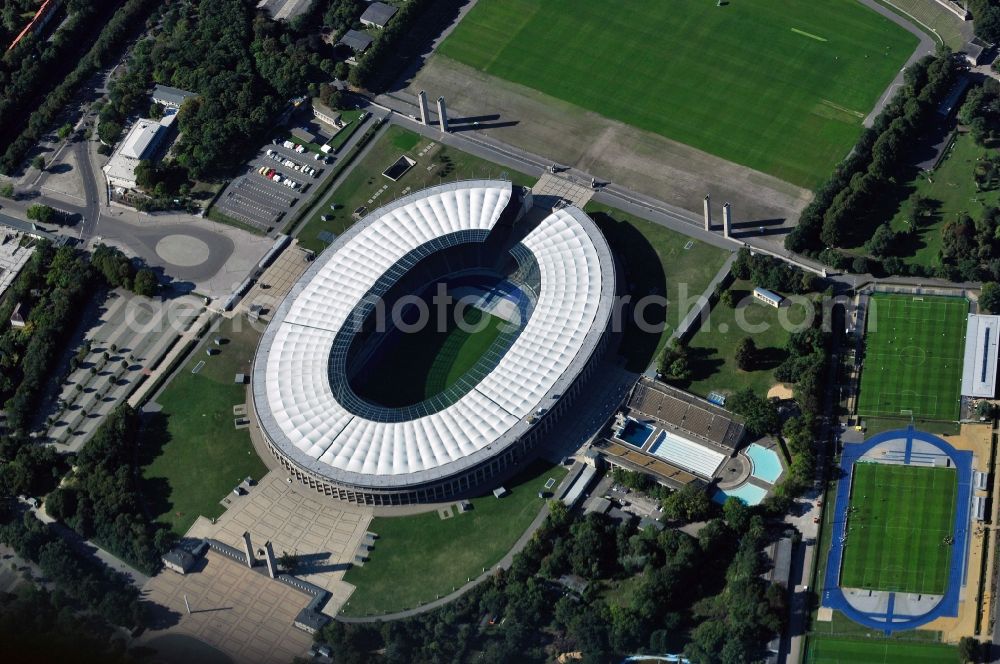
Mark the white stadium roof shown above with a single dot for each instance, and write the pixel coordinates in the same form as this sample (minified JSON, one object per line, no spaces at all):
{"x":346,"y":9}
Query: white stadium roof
{"x":292,"y":392}
{"x":979,"y":372}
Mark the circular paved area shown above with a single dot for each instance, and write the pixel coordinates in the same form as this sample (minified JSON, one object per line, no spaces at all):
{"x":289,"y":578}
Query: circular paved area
{"x":183,"y":250}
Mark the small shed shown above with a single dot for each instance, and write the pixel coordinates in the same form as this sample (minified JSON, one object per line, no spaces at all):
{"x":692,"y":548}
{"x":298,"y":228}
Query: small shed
{"x":378,"y":15}
{"x":178,"y":560}
{"x":240,"y":379}
{"x":770,"y":298}
{"x":499,"y":492}
{"x":18,"y":316}
{"x":303,"y":135}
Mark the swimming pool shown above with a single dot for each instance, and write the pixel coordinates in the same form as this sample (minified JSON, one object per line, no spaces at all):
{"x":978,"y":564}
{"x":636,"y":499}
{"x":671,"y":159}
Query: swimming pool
{"x":748,"y":493}
{"x":766,"y":464}
{"x":635,"y":433}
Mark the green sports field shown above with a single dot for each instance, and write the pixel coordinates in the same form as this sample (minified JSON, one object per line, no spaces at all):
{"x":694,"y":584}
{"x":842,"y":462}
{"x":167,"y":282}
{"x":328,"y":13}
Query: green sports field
{"x":914,"y":351}
{"x":781,"y":86}
{"x":898,"y":520}
{"x":839,"y":650}
{"x":429,"y":361}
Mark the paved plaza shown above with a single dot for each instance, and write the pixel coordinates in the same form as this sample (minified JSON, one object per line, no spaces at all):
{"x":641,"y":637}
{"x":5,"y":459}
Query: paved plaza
{"x":322,"y":533}
{"x":243,"y":614}
{"x":272,"y":286}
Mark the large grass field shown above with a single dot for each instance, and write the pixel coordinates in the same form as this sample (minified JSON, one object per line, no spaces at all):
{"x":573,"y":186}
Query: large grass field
{"x":896,"y":529}
{"x":840,"y":650}
{"x":365,"y":186}
{"x":781,"y":86}
{"x":713,"y":346}
{"x":416,"y":558}
{"x":429,"y":361}
{"x":914,"y":348}
{"x":197,"y":454}
{"x":656,"y":261}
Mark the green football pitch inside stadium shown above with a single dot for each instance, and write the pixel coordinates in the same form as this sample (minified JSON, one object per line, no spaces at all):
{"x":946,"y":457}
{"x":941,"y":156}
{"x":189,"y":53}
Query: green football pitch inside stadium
{"x":781,"y":86}
{"x":914,"y":352}
{"x":899,"y":525}
{"x":418,"y":365}
{"x":841,"y":650}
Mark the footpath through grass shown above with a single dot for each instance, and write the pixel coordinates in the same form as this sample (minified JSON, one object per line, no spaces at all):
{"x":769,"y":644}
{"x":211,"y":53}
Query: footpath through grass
{"x":655,"y":260}
{"x":417,"y":558}
{"x":196,"y":456}
{"x":366,"y":187}
{"x":900,"y":517}
{"x":781,"y":86}
{"x":840,"y":650}
{"x":914,"y":352}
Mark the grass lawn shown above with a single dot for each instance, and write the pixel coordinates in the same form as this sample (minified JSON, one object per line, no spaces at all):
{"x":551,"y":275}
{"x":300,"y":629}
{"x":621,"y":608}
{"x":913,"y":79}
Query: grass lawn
{"x":197,"y":454}
{"x":366,"y":187}
{"x":656,"y":261}
{"x":351,"y":118}
{"x":952,"y":189}
{"x":840,"y":650}
{"x":913,"y":356}
{"x":781,"y":86}
{"x":713,"y":346}
{"x":429,"y":361}
{"x":899,"y":518}
{"x":416,"y":558}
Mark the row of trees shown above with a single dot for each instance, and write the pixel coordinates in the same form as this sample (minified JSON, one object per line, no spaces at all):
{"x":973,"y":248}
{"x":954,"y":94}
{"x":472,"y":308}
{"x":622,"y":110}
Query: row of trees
{"x":772,"y":273}
{"x":701,"y":596}
{"x":120,"y":272}
{"x":836,"y":215}
{"x":100,"y":499}
{"x":83,"y":583}
{"x":112,"y":38}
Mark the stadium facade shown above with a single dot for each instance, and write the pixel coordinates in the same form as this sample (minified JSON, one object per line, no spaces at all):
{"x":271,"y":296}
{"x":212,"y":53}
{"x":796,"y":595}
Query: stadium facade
{"x":548,"y":273}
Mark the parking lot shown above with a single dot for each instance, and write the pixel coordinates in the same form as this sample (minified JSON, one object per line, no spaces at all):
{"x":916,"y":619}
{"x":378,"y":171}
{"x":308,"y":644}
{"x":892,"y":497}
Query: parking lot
{"x":276,"y":181}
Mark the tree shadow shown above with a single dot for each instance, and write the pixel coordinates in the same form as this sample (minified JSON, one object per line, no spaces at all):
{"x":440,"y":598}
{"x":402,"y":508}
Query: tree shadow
{"x":643,"y":276}
{"x":155,"y":490}
{"x":768,"y":359}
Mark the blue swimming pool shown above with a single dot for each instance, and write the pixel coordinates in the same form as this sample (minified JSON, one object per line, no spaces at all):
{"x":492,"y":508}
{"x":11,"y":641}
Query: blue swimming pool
{"x":635,"y":433}
{"x":766,"y":464}
{"x":748,"y":493}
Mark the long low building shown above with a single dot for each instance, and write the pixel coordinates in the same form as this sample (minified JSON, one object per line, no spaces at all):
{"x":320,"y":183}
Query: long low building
{"x":548,"y":274}
{"x":674,"y":436}
{"x":982,"y":341}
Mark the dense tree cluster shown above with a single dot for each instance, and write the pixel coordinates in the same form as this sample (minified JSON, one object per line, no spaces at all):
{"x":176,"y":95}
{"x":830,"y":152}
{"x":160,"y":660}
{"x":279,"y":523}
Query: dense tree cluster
{"x":101,"y":499}
{"x":675,"y":362}
{"x":759,"y":414}
{"x":83,"y":583}
{"x":838,"y":215}
{"x":36,"y":626}
{"x":806,"y":366}
{"x":46,"y":214}
{"x":986,"y":19}
{"x":772,"y":273}
{"x":18,"y":138}
{"x":120,"y":272}
{"x":698,"y":596}
{"x":640,"y":482}
{"x":54,"y":286}
{"x":981,"y":111}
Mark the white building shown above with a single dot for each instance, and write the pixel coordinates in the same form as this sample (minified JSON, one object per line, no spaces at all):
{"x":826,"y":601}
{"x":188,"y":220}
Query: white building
{"x":142,"y":142}
{"x":982,"y":342}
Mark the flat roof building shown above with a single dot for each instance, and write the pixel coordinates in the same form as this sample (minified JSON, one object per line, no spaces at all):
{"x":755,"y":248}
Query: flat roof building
{"x":377,"y":15}
{"x":769,"y":298}
{"x":982,"y":341}
{"x":325,"y":114}
{"x":142,"y":142}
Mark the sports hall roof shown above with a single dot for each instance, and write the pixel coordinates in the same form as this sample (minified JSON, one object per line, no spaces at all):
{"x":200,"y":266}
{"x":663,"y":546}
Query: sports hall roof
{"x":979,"y":373}
{"x":292,"y":389}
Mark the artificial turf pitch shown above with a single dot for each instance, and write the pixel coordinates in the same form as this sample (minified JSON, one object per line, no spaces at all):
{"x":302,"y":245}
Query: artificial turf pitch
{"x":841,"y":650}
{"x":898,"y":521}
{"x":781,"y":86}
{"x":914,"y":352}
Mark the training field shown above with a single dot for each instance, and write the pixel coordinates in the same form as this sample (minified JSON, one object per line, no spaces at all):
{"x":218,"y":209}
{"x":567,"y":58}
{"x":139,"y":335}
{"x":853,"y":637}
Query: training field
{"x":899,"y":517}
{"x":418,"y":365}
{"x":781,"y":86}
{"x":914,"y":352}
{"x":841,"y":650}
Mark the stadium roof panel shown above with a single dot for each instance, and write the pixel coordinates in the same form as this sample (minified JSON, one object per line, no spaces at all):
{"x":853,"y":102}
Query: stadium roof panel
{"x":982,"y":342}
{"x":299,"y":410}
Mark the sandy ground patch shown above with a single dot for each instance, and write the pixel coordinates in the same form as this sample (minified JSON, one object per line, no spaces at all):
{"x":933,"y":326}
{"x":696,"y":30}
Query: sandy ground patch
{"x":640,"y":160}
{"x":780,"y":390}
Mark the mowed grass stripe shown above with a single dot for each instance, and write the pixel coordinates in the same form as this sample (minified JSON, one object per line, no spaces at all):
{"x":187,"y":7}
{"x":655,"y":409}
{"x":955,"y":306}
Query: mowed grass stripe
{"x":747,"y":82}
{"x":842,"y":650}
{"x":899,"y":518}
{"x":914,"y":356}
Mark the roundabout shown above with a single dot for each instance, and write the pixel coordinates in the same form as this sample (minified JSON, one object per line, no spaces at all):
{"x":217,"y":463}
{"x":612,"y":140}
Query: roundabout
{"x":183,"y":250}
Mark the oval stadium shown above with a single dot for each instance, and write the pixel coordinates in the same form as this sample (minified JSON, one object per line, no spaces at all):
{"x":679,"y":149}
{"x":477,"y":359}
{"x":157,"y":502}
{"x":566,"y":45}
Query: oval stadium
{"x":428,"y":351}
